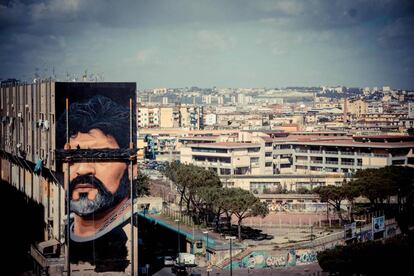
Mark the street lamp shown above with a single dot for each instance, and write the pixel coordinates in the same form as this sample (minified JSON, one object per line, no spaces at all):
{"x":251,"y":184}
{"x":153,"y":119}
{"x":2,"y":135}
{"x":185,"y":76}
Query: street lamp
{"x":208,"y":268}
{"x":206,"y":233}
{"x":178,"y":238}
{"x":231,"y":238}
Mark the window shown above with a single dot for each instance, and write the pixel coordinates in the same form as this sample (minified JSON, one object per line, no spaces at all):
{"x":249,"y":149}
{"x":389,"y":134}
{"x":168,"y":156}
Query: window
{"x":268,"y":154}
{"x":212,"y":159}
{"x":225,"y":171}
{"x":268,"y":164}
{"x":209,"y":150}
{"x":253,"y":149}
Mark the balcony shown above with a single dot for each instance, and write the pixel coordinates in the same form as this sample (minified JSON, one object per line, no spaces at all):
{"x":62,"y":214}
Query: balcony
{"x":331,"y":152}
{"x":332,"y":162}
{"x":348,"y":163}
{"x":381,"y":155}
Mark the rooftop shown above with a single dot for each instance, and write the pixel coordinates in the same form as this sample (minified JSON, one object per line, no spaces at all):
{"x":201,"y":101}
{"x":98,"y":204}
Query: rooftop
{"x":226,"y":145}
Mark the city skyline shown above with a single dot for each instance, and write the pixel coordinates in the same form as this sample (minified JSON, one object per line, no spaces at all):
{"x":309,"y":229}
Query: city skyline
{"x":211,"y":43}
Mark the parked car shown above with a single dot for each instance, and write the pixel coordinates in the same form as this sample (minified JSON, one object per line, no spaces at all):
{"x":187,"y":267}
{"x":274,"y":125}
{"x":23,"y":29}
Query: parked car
{"x":260,"y":237}
{"x":179,"y":269}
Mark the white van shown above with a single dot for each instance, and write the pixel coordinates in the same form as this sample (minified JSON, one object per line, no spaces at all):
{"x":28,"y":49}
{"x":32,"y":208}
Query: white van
{"x":187,"y":259}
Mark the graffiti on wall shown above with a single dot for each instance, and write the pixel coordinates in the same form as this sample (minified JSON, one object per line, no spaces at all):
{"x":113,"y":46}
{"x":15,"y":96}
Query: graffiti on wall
{"x":261,"y":259}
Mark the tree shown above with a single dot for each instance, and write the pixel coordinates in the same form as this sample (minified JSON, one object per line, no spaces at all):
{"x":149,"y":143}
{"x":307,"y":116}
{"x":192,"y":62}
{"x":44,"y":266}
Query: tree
{"x":390,"y":257}
{"x":189,"y":179}
{"x":351,"y":192}
{"x":373,"y":184}
{"x":303,"y":190}
{"x":141,"y":185}
{"x":378,"y":185}
{"x":215,"y":203}
{"x":332,"y":195}
{"x":244,"y":204}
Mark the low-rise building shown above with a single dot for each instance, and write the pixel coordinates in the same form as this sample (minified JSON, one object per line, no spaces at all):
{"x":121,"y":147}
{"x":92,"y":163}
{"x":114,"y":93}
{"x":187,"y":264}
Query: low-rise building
{"x":293,"y":158}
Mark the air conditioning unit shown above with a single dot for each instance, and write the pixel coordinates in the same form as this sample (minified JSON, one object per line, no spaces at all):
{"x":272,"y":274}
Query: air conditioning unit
{"x":39,"y":123}
{"x":46,"y":125}
{"x":49,"y":248}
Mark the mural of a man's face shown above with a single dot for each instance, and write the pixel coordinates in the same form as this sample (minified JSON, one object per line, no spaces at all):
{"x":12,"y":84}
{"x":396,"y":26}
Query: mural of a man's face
{"x":96,"y":186}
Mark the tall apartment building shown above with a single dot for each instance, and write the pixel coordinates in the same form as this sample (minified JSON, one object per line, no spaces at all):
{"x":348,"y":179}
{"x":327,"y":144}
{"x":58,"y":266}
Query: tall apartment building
{"x":190,"y":117}
{"x":29,"y":139}
{"x":166,"y":117}
{"x":53,"y":134}
{"x":410,"y":110}
{"x":148,"y":117}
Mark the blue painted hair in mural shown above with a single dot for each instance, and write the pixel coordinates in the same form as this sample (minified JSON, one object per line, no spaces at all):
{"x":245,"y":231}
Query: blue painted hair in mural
{"x":100,"y":113}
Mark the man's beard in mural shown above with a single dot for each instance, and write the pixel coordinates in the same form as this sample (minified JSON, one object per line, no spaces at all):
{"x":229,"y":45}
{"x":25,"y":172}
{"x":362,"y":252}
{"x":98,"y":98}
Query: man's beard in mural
{"x":104,"y":199}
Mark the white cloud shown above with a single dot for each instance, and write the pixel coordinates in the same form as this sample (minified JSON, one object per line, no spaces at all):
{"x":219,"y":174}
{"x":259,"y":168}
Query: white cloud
{"x":285,"y":7}
{"x":213,"y":40}
{"x":144,"y":55}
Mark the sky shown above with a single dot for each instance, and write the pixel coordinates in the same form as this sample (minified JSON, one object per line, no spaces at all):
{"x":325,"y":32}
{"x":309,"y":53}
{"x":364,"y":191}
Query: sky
{"x":222,"y":43}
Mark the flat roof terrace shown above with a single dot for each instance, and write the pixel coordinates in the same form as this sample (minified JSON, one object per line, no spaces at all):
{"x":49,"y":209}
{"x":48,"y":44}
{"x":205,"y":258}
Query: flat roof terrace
{"x":227,"y":145}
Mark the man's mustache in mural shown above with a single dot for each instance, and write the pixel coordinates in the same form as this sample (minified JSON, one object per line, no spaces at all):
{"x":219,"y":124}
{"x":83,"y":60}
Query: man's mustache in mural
{"x":90,"y":196}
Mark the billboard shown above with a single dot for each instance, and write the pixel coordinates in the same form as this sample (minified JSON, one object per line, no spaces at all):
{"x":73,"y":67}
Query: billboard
{"x":350,"y":231}
{"x":378,"y":224}
{"x":94,"y":121}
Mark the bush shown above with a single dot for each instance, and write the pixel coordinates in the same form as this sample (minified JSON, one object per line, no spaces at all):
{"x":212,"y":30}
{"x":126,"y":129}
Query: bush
{"x":370,"y":258}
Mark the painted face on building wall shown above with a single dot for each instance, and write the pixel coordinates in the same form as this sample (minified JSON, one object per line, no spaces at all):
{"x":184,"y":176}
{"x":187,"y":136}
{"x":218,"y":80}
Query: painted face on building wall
{"x":96,"y":186}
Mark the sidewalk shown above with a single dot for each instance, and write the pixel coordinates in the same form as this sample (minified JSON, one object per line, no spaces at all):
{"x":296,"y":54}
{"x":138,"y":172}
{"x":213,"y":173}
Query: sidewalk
{"x":301,"y":270}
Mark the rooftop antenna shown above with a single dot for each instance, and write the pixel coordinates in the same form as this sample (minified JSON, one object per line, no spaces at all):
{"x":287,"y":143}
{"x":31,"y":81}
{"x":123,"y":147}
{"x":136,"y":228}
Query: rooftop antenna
{"x":85,"y":75}
{"x":53,"y":73}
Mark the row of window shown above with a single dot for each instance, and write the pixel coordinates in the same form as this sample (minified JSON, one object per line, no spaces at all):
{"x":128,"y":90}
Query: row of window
{"x":212,"y":159}
{"x":209,"y":150}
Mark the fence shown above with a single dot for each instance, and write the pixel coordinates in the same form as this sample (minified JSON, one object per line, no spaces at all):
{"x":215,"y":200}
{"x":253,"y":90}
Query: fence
{"x":174,"y":214}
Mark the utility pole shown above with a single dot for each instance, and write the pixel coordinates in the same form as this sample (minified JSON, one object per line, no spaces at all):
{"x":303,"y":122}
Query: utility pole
{"x":231,"y":238}
{"x":131,"y":146}
{"x":67,"y":147}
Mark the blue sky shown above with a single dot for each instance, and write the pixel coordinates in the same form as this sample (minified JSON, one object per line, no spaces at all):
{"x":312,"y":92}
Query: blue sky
{"x":233,"y":43}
